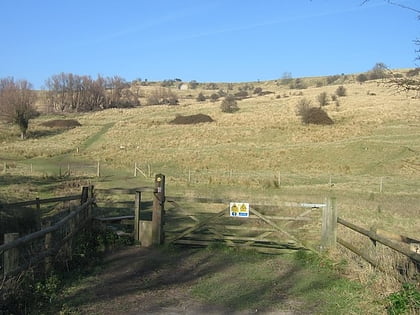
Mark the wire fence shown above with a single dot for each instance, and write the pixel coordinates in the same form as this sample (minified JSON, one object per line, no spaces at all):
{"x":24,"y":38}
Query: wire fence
{"x":190,"y":176}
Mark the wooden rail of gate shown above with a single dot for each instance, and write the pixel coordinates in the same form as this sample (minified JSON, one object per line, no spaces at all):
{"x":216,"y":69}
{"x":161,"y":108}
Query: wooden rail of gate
{"x":20,"y":253}
{"x":261,"y":237}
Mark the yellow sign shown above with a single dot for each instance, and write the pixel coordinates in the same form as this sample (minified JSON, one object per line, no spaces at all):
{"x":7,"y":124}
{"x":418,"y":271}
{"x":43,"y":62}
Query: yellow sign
{"x":239,"y":209}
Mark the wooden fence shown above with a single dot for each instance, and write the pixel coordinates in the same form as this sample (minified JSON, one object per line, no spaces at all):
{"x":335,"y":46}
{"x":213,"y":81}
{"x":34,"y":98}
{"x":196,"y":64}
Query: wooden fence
{"x":406,"y":246}
{"x":20,"y":253}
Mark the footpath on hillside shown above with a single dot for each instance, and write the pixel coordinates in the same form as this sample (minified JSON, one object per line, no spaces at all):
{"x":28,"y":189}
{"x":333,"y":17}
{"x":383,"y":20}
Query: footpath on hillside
{"x":139,"y":280}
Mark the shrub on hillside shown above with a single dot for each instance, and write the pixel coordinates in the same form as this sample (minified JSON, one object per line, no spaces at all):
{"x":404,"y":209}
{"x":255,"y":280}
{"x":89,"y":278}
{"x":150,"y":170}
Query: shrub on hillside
{"x":162,"y":96}
{"x":61,"y":123}
{"x":191,"y":119}
{"x":362,"y":78}
{"x":413,"y":72}
{"x":332,"y":78}
{"x":241,"y":94}
{"x":193,"y":84}
{"x":323,"y":99}
{"x":303,"y":106}
{"x":258,"y":90}
{"x":229,"y":105}
{"x":298,"y":84}
{"x":341,"y":91}
{"x":201,"y":97}
{"x":312,"y":115}
{"x":214,"y":97}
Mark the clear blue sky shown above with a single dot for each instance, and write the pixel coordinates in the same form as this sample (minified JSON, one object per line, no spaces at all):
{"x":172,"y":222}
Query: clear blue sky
{"x":203,"y":40}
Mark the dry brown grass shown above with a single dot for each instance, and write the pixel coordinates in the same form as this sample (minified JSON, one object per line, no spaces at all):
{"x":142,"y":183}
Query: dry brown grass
{"x":373,"y":136}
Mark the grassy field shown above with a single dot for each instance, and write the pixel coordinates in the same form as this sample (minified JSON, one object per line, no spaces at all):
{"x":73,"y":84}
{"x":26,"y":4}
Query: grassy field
{"x":369,"y":158}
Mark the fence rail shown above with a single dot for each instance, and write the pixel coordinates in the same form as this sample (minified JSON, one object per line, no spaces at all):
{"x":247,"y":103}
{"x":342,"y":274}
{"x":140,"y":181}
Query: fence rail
{"x":395,"y":242}
{"x":20,"y":253}
{"x":38,"y":201}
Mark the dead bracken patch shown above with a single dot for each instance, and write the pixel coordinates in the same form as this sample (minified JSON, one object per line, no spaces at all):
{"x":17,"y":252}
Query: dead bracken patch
{"x":61,"y":123}
{"x":317,"y":116}
{"x":191,"y":119}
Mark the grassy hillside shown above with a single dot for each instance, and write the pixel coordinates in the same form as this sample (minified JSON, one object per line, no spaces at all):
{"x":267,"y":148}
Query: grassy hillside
{"x":369,"y":158}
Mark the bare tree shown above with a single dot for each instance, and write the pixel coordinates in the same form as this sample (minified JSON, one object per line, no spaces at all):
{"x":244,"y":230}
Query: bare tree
{"x":17,"y":103}
{"x":404,"y":83}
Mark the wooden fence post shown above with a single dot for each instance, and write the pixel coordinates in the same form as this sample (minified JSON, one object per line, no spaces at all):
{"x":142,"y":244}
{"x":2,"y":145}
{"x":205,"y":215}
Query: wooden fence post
{"x":85,"y":194}
{"x":137,"y":207}
{"x":329,"y":224}
{"x":158,"y":209}
{"x":11,"y":256}
{"x":92,"y":196}
{"x":48,"y":245}
{"x":98,"y":169}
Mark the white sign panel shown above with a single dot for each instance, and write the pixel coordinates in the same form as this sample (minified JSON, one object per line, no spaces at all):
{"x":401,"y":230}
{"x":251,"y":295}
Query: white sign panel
{"x":239,"y":209}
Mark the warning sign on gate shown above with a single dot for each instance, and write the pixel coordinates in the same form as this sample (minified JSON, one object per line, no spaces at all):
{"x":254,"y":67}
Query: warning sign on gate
{"x":239,"y":209}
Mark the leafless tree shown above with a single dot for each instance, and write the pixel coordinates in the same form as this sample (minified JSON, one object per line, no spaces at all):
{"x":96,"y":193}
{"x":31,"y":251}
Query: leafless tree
{"x":394,"y":80}
{"x":17,"y":103}
{"x":71,"y":92}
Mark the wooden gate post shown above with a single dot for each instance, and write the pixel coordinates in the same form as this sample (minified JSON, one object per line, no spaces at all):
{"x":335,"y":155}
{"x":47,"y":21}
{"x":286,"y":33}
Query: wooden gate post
{"x":137,"y":206}
{"x":158,"y":210}
{"x":11,"y":256}
{"x":329,"y":224}
{"x":85,"y":195}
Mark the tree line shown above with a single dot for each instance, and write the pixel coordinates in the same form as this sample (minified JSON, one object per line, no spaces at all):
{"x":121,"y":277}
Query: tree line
{"x":71,"y":92}
{"x":65,"y":92}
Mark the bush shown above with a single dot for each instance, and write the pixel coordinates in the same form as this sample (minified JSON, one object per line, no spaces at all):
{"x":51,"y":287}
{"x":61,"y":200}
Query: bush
{"x":323,"y":99}
{"x":192,"y":119}
{"x":193,"y":84}
{"x":379,"y":71}
{"x":298,"y":84}
{"x":341,"y":91}
{"x":201,"y":97}
{"x":362,"y":78}
{"x":312,"y":115}
{"x":332,"y":78}
{"x":214,"y":97}
{"x":229,"y":105}
{"x":241,"y":94}
{"x":413,"y":72}
{"x":303,"y":106}
{"x":61,"y":123}
{"x":258,"y":90}
{"x":162,"y":96}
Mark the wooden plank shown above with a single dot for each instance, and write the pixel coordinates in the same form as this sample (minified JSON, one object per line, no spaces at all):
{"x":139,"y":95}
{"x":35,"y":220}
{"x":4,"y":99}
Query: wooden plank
{"x":131,"y":191}
{"x":182,"y":214}
{"x":113,"y":219}
{"x":41,"y":201}
{"x":395,"y":237}
{"x":329,"y":225}
{"x":352,"y":248}
{"x":201,"y":224}
{"x":266,"y":250}
{"x":395,"y":246}
{"x":226,"y":201}
{"x":136,"y":218}
{"x":11,"y":256}
{"x":255,"y":212}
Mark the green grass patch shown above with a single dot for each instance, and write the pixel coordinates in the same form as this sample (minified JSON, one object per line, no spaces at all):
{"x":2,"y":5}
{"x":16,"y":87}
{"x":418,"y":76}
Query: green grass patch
{"x":265,"y":283}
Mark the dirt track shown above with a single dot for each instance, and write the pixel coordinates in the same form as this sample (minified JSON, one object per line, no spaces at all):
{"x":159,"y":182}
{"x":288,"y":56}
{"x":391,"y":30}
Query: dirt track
{"x":152,"y":281}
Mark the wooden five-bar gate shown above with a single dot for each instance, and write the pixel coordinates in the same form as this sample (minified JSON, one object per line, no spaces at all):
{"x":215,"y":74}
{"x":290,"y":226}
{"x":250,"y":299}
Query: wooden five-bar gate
{"x":204,"y":221}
